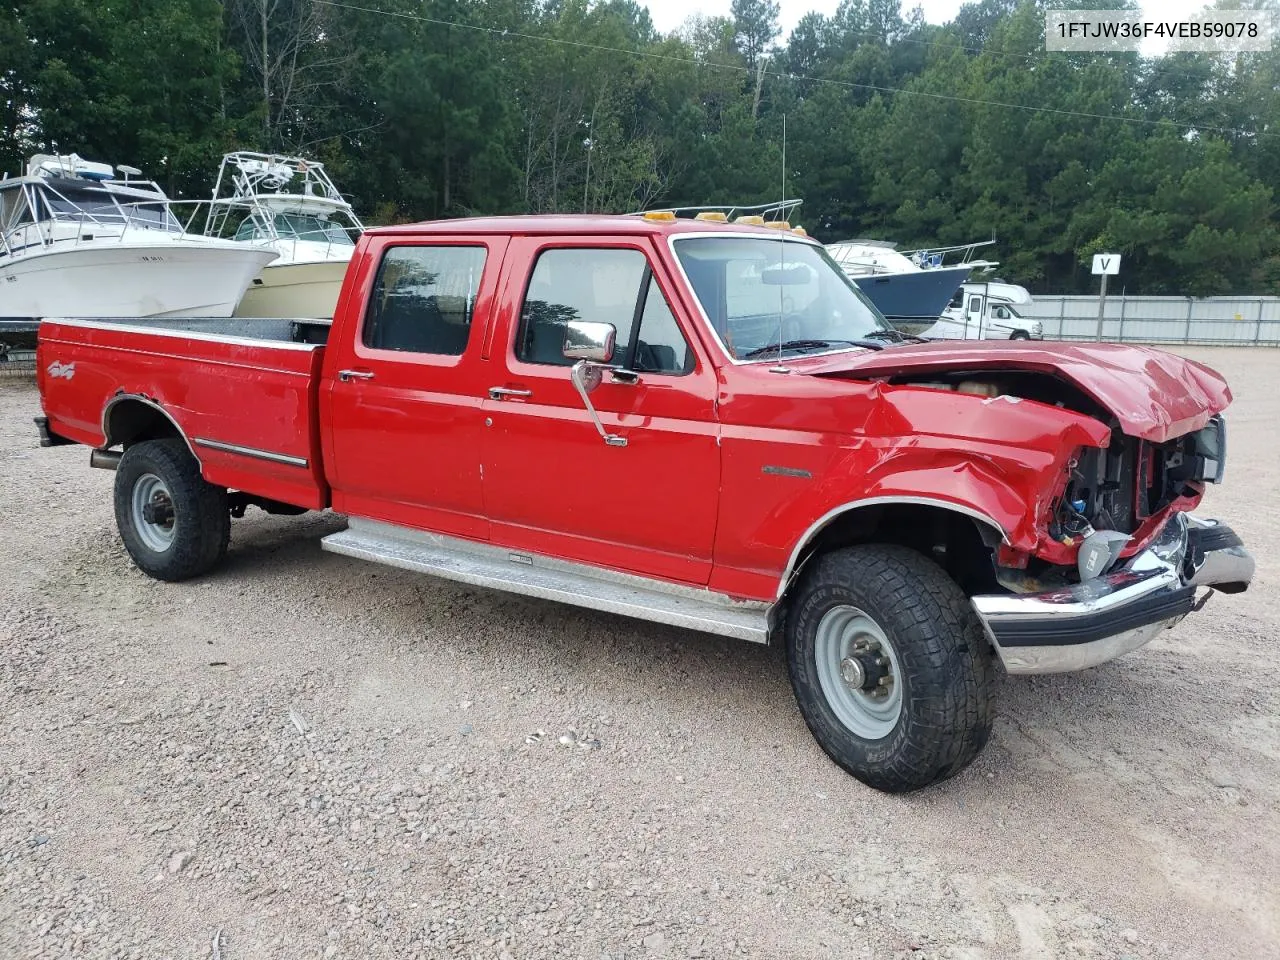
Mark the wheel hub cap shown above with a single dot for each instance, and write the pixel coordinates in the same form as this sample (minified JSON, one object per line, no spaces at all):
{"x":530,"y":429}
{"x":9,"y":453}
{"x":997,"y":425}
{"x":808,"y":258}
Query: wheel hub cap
{"x":852,"y":672}
{"x":865,"y":668}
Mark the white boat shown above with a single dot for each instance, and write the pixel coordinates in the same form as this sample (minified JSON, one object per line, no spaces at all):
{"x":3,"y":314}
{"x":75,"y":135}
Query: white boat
{"x":77,"y":242}
{"x":288,"y":205}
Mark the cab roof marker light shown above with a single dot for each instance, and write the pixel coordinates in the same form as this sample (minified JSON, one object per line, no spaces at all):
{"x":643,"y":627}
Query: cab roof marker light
{"x":799,"y":231}
{"x":754,"y":221}
{"x":715,"y":216}
{"x":777,"y":224}
{"x":660,"y":216}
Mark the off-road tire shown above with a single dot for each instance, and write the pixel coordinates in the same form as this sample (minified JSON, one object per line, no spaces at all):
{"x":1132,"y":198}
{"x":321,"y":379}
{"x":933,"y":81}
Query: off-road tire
{"x":946,"y":669}
{"x":201,"y":514}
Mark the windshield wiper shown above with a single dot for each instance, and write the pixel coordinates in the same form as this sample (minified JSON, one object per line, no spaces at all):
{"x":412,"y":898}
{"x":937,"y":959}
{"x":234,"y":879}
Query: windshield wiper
{"x":897,"y":336}
{"x":793,"y":345}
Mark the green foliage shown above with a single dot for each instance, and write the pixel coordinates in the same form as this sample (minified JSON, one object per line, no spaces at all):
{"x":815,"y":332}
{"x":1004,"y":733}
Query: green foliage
{"x":896,"y":129}
{"x":755,"y":27}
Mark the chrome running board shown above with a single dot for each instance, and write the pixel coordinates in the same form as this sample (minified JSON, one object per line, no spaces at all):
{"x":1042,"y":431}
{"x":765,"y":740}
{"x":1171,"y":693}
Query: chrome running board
{"x":515,"y":571}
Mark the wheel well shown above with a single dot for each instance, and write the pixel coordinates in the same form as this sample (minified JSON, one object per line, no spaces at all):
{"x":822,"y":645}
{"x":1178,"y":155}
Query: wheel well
{"x":962,"y":545}
{"x":132,"y":420}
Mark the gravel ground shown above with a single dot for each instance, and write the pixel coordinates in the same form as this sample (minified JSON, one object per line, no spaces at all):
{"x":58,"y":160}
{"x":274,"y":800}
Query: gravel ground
{"x":323,"y":758}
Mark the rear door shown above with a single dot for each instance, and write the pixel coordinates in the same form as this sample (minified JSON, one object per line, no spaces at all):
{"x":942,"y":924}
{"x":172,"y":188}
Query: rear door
{"x":974,"y":307}
{"x":552,"y":485}
{"x":404,"y":400}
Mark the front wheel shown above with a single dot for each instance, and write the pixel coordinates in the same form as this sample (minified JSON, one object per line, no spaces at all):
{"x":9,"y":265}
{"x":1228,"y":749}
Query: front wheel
{"x":1019,"y":335}
{"x":173,"y":523}
{"x":890,"y":666}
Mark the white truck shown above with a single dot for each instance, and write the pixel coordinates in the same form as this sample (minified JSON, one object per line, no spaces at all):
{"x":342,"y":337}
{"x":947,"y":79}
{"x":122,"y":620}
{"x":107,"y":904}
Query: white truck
{"x":986,"y":311}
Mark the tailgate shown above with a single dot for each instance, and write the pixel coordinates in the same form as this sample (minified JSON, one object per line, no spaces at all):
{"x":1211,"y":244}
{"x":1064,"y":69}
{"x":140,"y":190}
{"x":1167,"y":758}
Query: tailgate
{"x":246,"y":407}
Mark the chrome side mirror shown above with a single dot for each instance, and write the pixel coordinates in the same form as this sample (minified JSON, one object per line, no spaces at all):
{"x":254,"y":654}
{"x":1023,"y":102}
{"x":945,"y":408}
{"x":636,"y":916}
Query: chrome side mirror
{"x":587,"y":340}
{"x":591,"y":344}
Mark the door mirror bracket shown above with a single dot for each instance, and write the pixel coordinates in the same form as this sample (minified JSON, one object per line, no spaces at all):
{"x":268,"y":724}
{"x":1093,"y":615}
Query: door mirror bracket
{"x":591,"y":344}
{"x":586,"y":376}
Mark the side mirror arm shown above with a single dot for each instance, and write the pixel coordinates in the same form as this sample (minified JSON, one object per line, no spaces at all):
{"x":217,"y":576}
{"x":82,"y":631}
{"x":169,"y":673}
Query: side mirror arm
{"x":586,"y":377}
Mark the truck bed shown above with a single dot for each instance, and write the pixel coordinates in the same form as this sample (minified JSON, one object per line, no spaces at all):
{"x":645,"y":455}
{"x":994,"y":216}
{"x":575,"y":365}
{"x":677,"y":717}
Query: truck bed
{"x":242,"y":392}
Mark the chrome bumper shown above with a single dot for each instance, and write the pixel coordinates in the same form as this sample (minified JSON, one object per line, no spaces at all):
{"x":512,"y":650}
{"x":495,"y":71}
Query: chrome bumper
{"x":1103,"y":618}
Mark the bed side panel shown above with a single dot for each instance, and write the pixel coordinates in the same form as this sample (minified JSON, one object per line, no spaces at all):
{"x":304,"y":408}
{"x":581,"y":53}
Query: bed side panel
{"x":246,"y":408}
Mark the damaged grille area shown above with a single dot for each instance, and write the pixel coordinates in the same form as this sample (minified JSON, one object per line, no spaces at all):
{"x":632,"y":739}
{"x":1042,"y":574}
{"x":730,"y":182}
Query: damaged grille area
{"x":1118,"y":487}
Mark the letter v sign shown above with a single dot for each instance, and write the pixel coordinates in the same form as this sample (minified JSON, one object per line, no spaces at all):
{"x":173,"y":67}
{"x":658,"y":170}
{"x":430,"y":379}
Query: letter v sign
{"x":1107,"y":264}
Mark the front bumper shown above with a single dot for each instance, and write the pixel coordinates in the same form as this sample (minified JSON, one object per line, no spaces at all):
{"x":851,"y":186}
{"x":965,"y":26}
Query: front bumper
{"x":1100,"y":619}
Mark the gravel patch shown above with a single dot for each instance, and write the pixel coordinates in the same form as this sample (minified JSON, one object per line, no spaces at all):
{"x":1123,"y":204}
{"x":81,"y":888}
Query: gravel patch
{"x":305,"y":756}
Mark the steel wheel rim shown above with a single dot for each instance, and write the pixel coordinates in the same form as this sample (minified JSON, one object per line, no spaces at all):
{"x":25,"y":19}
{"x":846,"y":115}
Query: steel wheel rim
{"x":149,"y":490}
{"x":844,"y":633}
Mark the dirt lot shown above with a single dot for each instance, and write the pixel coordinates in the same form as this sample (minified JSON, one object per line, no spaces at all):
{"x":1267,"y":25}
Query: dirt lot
{"x":322,"y":758}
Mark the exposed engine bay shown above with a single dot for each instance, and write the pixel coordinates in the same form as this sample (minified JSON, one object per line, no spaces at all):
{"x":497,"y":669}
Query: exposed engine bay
{"x":1020,"y":384}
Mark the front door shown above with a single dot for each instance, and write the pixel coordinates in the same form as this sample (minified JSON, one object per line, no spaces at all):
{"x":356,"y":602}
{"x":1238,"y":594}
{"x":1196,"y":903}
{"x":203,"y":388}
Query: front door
{"x":551,"y":483}
{"x":404,"y":405}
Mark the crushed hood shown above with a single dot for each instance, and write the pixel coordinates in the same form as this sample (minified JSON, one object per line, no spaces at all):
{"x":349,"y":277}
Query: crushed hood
{"x":1152,"y":394}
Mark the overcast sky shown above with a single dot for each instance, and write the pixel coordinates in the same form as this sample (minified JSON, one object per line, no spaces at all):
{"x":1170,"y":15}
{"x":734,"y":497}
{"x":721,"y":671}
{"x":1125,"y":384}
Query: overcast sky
{"x":669,"y":14}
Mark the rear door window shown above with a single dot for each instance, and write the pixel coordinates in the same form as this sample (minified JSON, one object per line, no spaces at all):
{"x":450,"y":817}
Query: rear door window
{"x":424,"y":298}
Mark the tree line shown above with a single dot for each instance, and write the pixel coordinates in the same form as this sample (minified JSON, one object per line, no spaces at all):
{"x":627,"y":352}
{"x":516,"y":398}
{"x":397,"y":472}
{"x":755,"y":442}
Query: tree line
{"x":895,"y":128}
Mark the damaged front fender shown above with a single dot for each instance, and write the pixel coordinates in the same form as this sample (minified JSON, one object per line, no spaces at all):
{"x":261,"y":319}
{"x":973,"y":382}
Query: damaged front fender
{"x":839,"y":445}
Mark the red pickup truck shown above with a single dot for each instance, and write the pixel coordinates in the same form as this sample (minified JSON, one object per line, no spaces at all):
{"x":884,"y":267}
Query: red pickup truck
{"x":694,"y":422}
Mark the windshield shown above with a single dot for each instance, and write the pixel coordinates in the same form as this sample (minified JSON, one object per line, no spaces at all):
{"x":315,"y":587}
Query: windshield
{"x":759,"y":293}
{"x":300,"y":226}
{"x":97,"y":205}
{"x":88,"y":204}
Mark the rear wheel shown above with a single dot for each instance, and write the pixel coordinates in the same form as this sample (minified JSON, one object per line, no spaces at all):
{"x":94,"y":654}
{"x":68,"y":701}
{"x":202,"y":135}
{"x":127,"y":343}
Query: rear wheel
{"x":174,"y":525}
{"x":890,"y":666}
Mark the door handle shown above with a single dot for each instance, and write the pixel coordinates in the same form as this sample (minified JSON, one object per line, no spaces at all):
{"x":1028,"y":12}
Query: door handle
{"x":501,"y":393}
{"x":346,"y":376}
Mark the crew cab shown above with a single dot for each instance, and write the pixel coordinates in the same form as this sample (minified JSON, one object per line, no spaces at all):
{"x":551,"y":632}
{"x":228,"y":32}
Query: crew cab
{"x":693,"y":422}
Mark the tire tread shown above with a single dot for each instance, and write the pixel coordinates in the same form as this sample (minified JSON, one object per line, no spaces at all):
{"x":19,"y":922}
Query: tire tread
{"x":204,"y":531}
{"x":950,"y":674}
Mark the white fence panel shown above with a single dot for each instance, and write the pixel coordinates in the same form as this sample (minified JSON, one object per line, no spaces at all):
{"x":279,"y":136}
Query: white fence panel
{"x":1221,"y":320}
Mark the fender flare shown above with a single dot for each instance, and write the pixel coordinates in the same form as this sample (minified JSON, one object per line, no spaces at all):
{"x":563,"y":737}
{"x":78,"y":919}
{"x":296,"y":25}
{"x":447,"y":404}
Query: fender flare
{"x":815,"y":528}
{"x":119,"y":398}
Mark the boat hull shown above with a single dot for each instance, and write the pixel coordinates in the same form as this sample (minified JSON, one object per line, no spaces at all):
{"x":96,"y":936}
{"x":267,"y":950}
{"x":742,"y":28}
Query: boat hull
{"x":915,"y":299}
{"x":121,"y":279}
{"x":295,"y":290}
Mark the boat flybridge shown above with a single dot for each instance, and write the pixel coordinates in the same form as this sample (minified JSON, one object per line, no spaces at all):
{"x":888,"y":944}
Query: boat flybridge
{"x":288,"y":205}
{"x":75,"y":241}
